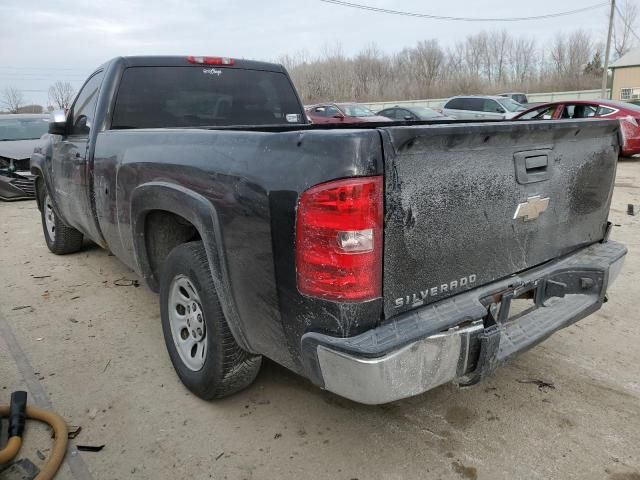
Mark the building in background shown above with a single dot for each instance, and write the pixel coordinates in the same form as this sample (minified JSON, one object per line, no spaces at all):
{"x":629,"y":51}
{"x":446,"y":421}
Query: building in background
{"x":626,"y":77}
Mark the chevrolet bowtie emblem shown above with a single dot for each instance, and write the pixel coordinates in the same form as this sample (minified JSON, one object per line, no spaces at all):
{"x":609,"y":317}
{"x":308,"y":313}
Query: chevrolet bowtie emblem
{"x":532,"y":208}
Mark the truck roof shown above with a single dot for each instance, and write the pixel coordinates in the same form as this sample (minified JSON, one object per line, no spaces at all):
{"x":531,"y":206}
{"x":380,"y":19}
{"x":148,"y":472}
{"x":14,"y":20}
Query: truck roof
{"x":180,"y":61}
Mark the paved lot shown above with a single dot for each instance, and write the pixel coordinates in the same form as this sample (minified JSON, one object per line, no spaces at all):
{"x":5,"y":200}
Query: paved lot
{"x":96,"y":350}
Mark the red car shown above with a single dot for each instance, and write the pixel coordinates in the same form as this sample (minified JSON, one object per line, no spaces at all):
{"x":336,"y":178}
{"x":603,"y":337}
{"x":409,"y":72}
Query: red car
{"x":628,"y":114}
{"x":342,"y":113}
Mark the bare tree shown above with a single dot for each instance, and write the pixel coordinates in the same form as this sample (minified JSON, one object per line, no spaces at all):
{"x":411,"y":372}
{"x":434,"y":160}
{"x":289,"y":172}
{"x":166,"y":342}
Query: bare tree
{"x":499,"y":44}
{"x":487,"y":62}
{"x":622,"y":26}
{"x":523,"y":60}
{"x":426,"y":59}
{"x":61,"y":95}
{"x":12,"y":99}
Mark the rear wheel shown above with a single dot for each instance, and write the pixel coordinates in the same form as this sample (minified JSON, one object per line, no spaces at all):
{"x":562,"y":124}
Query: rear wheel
{"x":60,"y":238}
{"x":202,"y":349}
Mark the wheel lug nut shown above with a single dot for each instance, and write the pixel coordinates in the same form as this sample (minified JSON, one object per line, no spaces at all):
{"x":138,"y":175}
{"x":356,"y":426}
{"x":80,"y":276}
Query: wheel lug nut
{"x":199,"y":318}
{"x":194,"y":307}
{"x":199,"y":331}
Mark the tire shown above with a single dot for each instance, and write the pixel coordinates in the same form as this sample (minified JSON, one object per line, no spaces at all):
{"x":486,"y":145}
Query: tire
{"x":60,"y":238}
{"x":203,"y":351}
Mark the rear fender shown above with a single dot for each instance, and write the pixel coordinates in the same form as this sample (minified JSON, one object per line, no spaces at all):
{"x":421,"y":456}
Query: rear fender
{"x":203,"y":216}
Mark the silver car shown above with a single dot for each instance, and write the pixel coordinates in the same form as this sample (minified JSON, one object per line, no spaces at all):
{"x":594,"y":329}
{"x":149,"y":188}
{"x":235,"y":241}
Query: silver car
{"x":481,"y":108}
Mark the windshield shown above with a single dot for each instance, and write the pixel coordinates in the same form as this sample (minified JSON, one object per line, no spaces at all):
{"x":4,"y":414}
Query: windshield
{"x":22,"y":128}
{"x":510,"y":105}
{"x":520,"y":98}
{"x":425,"y":112}
{"x":357,"y":111}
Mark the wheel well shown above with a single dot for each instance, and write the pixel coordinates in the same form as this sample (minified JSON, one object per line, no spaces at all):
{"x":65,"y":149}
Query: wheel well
{"x":163,"y":231}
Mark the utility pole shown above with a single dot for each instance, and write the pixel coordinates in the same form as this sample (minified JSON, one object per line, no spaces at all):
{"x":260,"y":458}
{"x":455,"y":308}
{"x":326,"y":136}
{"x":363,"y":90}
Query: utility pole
{"x":605,"y":73}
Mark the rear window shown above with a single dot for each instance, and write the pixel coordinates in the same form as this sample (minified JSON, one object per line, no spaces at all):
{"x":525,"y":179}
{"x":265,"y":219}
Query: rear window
{"x":158,"y":97}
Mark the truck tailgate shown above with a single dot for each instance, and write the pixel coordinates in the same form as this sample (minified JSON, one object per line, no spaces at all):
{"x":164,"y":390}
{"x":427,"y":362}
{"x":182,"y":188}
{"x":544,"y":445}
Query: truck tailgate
{"x":468,"y":204}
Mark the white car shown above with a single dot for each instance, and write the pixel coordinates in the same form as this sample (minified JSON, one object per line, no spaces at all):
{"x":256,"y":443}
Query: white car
{"x":481,"y":108}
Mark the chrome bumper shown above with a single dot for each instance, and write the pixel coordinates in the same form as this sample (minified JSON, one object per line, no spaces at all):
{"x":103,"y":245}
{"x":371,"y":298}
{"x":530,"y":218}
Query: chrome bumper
{"x":413,"y":369}
{"x":353,"y":368}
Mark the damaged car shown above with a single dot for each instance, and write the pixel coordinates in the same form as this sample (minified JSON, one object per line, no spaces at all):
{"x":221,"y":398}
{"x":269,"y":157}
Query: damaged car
{"x":19,"y":134}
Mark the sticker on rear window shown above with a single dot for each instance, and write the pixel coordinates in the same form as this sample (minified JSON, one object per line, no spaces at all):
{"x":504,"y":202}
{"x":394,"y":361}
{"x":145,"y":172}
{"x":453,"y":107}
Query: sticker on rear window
{"x":212,"y":71}
{"x":292,"y":117}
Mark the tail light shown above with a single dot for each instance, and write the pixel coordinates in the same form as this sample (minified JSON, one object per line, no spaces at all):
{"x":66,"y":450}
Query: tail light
{"x":339,"y":240}
{"x":210,"y":60}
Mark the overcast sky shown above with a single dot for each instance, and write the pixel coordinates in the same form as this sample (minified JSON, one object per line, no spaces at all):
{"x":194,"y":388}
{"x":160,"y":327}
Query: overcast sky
{"x":45,"y":41}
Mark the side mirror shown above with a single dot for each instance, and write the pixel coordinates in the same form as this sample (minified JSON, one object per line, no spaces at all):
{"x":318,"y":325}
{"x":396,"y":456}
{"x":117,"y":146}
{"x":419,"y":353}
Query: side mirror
{"x":58,"y":122}
{"x":339,"y":115}
{"x":408,"y":117}
{"x":500,"y":110}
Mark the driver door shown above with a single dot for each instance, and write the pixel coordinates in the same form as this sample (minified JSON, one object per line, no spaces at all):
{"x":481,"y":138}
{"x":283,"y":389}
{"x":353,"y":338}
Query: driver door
{"x":69,"y":160}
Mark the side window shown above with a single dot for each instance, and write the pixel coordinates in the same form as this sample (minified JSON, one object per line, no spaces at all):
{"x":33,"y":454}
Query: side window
{"x":579,"y":110}
{"x":403,"y":114}
{"x":389,"y":113}
{"x":320,"y":111}
{"x":473,"y":104}
{"x":331,"y":111}
{"x":455,"y":104}
{"x":604,"y":111}
{"x":567,"y":111}
{"x":544,"y":113}
{"x":84,"y":108}
{"x":491,"y":106}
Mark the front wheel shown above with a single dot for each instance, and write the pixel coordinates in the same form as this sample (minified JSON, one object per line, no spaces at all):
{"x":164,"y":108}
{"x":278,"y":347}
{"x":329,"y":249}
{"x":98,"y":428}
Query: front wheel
{"x":61,"y":239}
{"x":202,"y":349}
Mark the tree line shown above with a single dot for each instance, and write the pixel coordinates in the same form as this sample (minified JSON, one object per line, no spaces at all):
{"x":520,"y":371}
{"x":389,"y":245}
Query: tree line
{"x":483,"y":63}
{"x":61,"y":95}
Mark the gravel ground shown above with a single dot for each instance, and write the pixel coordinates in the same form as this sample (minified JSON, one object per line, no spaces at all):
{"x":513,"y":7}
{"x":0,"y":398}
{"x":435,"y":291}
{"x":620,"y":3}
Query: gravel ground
{"x":96,"y":351}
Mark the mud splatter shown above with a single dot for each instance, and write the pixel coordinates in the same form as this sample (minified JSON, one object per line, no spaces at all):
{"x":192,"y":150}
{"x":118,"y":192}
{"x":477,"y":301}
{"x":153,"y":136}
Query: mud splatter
{"x":460,"y":417}
{"x":464,"y":471}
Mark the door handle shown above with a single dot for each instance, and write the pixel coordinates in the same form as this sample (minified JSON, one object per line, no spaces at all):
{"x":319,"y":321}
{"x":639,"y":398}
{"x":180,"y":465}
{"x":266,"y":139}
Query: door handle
{"x":532,"y":166}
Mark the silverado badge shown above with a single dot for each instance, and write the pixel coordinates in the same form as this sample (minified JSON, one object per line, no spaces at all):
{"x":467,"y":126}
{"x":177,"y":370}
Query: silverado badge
{"x":532,"y":208}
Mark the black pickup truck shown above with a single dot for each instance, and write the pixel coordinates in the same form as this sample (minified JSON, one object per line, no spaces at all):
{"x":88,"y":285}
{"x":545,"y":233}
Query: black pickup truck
{"x":377,"y":260}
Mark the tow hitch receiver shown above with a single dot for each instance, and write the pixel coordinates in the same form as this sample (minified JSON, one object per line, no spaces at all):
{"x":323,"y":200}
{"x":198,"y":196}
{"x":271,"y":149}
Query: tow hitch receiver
{"x":506,"y":307}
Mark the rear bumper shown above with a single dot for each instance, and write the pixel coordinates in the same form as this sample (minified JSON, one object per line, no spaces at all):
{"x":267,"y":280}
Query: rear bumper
{"x":457,"y":339}
{"x":17,"y":187}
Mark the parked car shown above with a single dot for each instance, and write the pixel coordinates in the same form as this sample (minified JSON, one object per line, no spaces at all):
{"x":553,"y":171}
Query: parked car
{"x":378,"y":261}
{"x":411,"y":113}
{"x":481,"y":108}
{"x":521,"y":98}
{"x":627,"y":113}
{"x":343,"y":113}
{"x":19,"y":134}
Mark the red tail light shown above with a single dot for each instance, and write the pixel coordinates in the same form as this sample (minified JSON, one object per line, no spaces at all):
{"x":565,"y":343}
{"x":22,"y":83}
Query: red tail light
{"x":210,"y":60}
{"x":339,"y":240}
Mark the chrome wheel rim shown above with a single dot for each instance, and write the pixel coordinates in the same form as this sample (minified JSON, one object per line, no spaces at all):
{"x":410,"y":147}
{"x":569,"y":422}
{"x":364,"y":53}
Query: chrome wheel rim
{"x":186,"y":320}
{"x":49,"y":218}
